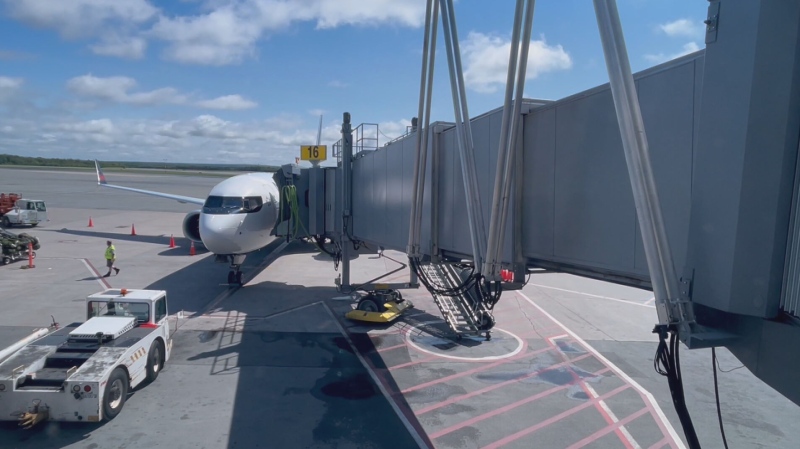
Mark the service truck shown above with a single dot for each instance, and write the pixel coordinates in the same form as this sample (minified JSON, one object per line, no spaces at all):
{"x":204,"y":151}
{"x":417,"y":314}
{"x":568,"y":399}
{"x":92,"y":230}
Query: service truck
{"x":84,"y":371}
{"x":21,"y":211}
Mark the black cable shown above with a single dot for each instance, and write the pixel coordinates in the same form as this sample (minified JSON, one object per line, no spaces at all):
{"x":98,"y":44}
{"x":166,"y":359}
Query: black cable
{"x":714,"y":362}
{"x":667,"y":362}
{"x":728,"y":370}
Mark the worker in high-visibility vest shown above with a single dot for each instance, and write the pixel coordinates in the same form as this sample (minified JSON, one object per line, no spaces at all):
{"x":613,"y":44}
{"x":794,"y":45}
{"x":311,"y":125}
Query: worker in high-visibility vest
{"x":111,"y":257}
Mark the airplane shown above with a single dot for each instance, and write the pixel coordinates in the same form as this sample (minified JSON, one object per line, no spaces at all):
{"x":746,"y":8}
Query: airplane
{"x":236,"y":217}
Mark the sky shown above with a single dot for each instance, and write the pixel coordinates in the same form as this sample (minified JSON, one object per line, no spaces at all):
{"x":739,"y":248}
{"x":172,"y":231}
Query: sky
{"x":245,"y":81}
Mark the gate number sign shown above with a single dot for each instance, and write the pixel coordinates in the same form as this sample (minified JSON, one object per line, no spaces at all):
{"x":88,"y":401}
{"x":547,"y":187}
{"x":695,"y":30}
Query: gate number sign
{"x":314,"y":152}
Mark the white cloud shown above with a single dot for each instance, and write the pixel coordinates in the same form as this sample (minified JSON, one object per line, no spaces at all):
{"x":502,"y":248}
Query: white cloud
{"x":329,"y":14}
{"x":690,"y":47}
{"x":7,"y":83}
{"x":218,"y":32}
{"x":122,"y":47}
{"x":227,"y":32}
{"x":222,"y":36}
{"x":204,"y":138}
{"x":683,"y":28}
{"x":486,"y":61}
{"x":81,"y":18}
{"x":229,"y":102}
{"x":116,"y":89}
{"x":338,"y":84}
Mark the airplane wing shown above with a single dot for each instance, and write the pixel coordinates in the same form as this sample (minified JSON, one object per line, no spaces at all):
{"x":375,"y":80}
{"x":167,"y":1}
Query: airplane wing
{"x":101,"y":180}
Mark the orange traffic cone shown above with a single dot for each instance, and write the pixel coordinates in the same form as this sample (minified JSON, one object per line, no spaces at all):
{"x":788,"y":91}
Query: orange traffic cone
{"x":191,"y":249}
{"x":171,"y":241}
{"x":91,"y":225}
{"x":133,"y":230}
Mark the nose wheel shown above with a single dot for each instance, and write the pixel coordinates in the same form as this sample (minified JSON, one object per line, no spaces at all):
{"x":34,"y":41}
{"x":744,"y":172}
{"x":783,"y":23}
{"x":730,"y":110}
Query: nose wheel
{"x":235,"y":276}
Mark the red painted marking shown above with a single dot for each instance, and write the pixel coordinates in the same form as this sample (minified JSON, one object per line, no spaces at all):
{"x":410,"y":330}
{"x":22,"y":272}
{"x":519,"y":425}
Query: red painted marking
{"x":664,"y":442}
{"x":606,"y":430}
{"x":415,"y":362}
{"x":475,"y":370}
{"x":455,"y":399}
{"x":99,"y":276}
{"x":577,"y":379}
{"x":148,"y":325}
{"x":389,"y":348}
{"x":554,"y":419}
{"x":504,"y":409}
{"x":647,"y":403}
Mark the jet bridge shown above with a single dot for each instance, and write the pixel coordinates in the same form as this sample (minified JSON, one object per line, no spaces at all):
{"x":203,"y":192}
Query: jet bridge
{"x":723,"y":128}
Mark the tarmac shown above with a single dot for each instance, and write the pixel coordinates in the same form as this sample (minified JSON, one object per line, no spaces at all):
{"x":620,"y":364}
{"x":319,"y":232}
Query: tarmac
{"x":274,"y":364}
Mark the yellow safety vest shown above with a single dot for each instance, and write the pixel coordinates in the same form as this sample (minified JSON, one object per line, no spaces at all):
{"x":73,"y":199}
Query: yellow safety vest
{"x":110,"y":251}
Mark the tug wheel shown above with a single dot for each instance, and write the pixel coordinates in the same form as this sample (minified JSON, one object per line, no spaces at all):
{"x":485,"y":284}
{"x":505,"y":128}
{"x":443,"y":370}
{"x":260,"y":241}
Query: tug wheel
{"x":115,"y":394}
{"x":369,"y":304}
{"x":155,"y":360}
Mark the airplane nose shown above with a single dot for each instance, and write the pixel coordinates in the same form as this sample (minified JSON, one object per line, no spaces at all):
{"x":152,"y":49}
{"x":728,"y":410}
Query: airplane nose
{"x":218,"y":233}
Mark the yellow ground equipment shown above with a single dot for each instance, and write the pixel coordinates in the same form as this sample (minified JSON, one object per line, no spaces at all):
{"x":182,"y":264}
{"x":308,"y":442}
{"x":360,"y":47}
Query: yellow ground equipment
{"x":380,"y":306}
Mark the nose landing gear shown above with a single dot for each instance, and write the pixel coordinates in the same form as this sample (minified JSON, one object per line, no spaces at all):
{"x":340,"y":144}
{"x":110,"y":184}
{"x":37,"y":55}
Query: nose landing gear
{"x":235,"y":276}
{"x":236,"y":261}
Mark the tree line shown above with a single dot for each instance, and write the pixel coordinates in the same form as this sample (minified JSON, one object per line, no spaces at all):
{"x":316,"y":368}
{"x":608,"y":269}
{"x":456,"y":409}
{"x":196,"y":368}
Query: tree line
{"x":10,"y":159}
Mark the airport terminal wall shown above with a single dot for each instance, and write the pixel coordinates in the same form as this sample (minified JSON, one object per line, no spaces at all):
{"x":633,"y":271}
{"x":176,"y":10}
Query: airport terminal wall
{"x":577,"y":207}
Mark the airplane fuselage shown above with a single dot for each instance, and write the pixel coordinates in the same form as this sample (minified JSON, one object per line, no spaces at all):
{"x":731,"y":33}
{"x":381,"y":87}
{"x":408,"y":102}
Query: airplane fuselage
{"x":236,"y":217}
{"x":239,"y":213}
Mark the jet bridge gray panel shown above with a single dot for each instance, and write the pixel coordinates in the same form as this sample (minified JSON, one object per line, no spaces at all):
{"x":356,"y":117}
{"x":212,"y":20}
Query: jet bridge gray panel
{"x":594,"y":214}
{"x":578,"y":206}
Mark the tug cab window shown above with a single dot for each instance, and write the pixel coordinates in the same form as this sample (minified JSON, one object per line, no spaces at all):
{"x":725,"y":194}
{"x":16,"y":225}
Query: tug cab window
{"x":161,"y":309}
{"x":116,"y":308}
{"x":221,"y":205}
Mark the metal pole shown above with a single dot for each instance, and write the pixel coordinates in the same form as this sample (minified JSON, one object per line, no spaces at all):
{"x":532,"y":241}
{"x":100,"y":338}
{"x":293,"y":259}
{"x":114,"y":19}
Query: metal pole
{"x":413,"y":241}
{"x":464,"y":137}
{"x":427,"y":123}
{"x":470,"y":153}
{"x":634,"y":142}
{"x":515,"y":120}
{"x":347,"y":160}
{"x":490,"y":265}
{"x":421,"y":155}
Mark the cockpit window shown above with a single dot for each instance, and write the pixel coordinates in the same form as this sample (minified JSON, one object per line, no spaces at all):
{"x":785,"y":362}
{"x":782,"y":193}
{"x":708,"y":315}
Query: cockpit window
{"x":220,"y":205}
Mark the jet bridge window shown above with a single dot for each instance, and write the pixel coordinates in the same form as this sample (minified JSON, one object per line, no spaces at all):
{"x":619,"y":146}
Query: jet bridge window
{"x":221,"y":205}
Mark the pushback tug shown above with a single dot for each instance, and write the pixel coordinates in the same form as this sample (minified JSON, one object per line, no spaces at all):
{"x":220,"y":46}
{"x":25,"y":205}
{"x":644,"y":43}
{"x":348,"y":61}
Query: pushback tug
{"x":84,"y":371}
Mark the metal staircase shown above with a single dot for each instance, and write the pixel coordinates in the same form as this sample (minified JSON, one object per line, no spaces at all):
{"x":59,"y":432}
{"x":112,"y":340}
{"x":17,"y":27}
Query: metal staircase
{"x":464,"y":313}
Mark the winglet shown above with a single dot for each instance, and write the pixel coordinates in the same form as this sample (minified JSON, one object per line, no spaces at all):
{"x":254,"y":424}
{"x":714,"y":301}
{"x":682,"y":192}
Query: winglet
{"x":101,"y":178}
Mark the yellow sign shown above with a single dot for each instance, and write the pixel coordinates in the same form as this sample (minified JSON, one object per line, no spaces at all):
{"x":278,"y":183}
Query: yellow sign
{"x":314,"y":152}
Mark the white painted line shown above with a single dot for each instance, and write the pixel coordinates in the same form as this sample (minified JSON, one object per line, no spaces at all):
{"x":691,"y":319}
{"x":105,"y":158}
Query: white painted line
{"x":413,"y":431}
{"x":651,"y":301}
{"x":633,"y":303}
{"x":649,"y":397}
{"x":94,"y":271}
{"x":611,"y":415}
{"x":602,"y":403}
{"x":520,"y":346}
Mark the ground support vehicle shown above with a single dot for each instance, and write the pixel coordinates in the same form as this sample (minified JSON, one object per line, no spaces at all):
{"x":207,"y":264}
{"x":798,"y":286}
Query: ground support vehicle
{"x":380,"y":306}
{"x":21,"y":211}
{"x":84,"y":371}
{"x":17,"y":246}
